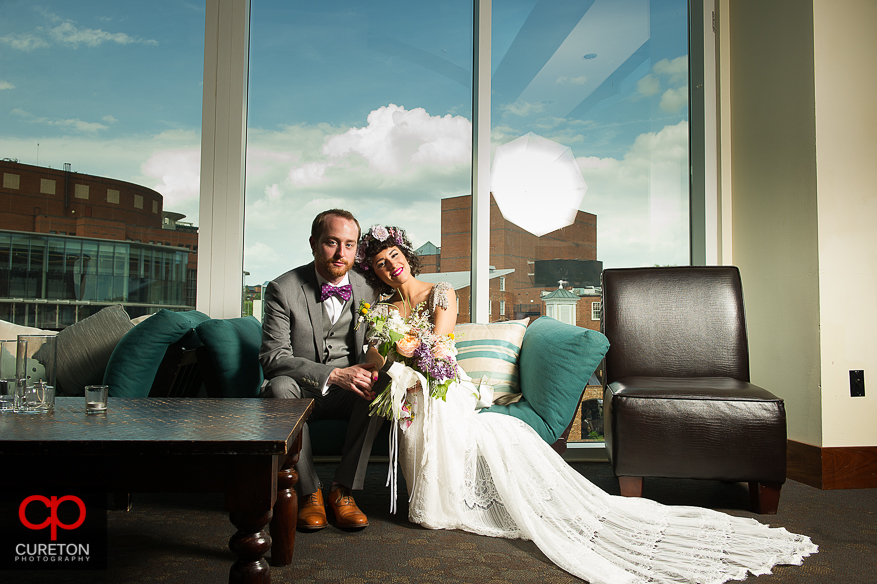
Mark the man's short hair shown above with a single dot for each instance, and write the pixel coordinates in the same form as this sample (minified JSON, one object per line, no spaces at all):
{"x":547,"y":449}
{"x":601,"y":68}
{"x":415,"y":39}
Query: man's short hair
{"x":319,"y":224}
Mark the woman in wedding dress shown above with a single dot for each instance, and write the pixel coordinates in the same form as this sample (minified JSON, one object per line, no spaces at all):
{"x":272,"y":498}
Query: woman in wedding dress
{"x":491,"y":474}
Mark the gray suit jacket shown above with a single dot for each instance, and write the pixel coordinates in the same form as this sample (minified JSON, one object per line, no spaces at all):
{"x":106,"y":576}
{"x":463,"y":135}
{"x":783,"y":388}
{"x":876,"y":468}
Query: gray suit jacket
{"x":292,"y":330}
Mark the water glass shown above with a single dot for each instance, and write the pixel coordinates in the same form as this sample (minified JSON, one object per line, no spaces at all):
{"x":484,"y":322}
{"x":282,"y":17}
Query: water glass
{"x":7,"y":375}
{"x":37,"y":398}
{"x":35,"y":371}
{"x":96,"y":398}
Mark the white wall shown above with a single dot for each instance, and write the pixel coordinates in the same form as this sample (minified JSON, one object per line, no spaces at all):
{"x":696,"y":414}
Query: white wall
{"x":774,"y":201}
{"x":799,"y":103}
{"x":846,"y":144}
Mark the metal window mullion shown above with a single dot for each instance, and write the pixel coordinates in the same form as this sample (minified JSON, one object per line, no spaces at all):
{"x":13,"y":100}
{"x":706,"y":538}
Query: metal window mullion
{"x":480,"y":162}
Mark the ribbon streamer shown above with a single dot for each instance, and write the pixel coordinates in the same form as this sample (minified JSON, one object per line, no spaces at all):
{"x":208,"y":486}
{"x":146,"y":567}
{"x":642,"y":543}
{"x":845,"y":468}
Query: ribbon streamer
{"x":401,"y":378}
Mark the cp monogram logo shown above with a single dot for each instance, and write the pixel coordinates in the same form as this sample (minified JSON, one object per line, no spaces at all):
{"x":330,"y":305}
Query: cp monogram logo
{"x":51,"y":504}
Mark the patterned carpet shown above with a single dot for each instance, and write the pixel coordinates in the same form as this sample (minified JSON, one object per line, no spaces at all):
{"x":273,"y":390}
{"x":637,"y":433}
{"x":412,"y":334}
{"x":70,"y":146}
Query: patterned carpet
{"x":172,"y":538}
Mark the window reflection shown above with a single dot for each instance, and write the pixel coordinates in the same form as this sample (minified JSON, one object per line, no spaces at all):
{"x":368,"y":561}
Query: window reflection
{"x":608,"y":79}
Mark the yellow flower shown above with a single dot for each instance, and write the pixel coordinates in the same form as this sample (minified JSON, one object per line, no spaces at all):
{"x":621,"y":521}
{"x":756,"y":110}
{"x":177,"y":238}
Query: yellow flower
{"x":451,"y":335}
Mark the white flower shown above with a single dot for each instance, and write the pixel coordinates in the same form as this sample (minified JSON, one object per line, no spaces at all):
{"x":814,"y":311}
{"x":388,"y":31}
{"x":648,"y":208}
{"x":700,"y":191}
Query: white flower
{"x":380,"y":232}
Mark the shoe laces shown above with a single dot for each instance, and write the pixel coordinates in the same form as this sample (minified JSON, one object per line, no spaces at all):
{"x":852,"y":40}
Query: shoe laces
{"x":344,"y":497}
{"x":313,"y":498}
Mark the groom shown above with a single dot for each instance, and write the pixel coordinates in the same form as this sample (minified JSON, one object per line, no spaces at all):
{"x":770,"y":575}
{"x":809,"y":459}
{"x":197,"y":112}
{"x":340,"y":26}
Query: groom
{"x":311,"y":348}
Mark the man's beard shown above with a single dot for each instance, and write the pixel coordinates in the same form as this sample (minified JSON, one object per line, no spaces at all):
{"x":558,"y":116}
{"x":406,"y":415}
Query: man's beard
{"x":336,"y":271}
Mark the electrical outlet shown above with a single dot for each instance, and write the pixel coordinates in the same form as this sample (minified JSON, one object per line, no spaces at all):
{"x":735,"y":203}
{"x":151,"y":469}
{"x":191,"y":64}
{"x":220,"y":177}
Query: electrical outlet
{"x":857,"y":383}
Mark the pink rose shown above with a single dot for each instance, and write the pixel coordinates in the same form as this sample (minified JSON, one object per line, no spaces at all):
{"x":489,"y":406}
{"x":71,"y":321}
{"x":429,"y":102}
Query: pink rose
{"x":441,"y":351}
{"x":407,"y":345}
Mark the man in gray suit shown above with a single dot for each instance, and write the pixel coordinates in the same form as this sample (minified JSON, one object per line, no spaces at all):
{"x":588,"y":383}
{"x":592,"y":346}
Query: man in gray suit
{"x":311,"y":348}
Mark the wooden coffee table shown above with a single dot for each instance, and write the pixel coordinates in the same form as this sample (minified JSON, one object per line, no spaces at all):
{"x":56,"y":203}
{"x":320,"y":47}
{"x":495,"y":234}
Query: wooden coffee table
{"x":243,"y":447}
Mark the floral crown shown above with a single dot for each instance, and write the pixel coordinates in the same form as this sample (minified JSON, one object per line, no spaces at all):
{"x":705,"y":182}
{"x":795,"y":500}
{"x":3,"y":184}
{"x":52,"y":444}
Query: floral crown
{"x":379,"y":233}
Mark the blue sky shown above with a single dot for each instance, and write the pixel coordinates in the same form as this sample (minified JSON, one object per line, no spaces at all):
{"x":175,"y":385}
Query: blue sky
{"x":361,"y":105}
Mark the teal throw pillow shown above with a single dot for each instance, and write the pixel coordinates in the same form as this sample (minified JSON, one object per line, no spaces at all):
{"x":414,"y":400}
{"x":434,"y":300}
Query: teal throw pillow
{"x":556,"y":362}
{"x":233,"y":345}
{"x":138,"y":355}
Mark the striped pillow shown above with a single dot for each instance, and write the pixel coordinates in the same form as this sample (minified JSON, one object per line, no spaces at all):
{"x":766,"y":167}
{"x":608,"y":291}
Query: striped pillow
{"x":488,"y":353}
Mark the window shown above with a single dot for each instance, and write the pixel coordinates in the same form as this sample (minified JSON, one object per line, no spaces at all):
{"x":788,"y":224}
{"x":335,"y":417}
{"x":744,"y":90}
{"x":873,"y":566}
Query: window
{"x":502,"y":283}
{"x":359,"y":105}
{"x":96,"y":91}
{"x":609,"y":81}
{"x":596,"y":310}
{"x":155,"y":207}
{"x":502,"y":307}
{"x":10,"y":181}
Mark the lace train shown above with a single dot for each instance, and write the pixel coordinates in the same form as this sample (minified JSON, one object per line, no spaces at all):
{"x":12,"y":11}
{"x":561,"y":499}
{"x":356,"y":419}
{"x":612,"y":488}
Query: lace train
{"x":492,"y":475}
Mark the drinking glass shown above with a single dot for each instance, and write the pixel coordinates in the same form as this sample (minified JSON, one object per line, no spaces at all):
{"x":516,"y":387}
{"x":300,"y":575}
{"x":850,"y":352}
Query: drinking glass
{"x":7,"y":375}
{"x":35,"y":373}
{"x":96,"y":399}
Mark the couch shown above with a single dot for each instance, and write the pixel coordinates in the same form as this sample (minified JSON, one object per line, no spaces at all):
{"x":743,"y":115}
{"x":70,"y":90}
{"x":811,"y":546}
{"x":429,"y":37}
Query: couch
{"x":537,"y":373}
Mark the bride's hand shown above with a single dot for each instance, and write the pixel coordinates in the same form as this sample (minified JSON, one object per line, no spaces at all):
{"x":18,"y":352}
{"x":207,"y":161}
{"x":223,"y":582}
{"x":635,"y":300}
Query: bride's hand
{"x":357,"y":378}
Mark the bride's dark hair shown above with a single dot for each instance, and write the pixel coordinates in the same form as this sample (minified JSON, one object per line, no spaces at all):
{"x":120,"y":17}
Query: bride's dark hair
{"x":377,"y":239}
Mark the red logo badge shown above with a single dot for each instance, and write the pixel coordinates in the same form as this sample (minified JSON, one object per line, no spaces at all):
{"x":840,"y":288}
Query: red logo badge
{"x":52,"y":505}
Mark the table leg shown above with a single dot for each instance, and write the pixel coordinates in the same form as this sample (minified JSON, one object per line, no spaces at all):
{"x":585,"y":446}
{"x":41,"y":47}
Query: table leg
{"x":249,"y":544}
{"x":283,"y":523}
{"x":250,"y":498}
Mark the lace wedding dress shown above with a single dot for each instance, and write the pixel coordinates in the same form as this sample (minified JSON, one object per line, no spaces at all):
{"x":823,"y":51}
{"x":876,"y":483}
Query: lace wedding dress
{"x":491,"y":474}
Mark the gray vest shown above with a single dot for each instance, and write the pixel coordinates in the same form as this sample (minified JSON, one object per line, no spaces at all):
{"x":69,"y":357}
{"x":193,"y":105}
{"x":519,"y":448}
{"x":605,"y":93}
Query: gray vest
{"x":339,"y":338}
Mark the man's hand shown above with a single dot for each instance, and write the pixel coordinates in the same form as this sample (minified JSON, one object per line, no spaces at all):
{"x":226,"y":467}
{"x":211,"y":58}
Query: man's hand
{"x":357,"y":378}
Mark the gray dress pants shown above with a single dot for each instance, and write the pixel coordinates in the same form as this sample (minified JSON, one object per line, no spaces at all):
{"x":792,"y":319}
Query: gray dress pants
{"x":337,"y":404}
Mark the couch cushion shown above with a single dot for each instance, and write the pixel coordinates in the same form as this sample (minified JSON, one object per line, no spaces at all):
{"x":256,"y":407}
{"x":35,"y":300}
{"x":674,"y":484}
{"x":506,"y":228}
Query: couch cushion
{"x":84,"y":349}
{"x":233,"y":345}
{"x":136,"y":358}
{"x":488,"y":353}
{"x":556,"y":362}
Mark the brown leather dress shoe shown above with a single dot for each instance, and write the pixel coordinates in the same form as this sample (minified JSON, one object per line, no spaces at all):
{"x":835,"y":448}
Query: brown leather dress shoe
{"x":347,"y":514}
{"x":312,"y":512}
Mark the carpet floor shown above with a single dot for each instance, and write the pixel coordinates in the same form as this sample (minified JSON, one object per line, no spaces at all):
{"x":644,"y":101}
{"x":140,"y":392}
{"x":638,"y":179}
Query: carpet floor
{"x":176,"y":538}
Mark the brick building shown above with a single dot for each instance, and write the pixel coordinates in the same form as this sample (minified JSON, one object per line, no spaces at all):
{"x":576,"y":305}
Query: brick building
{"x":524,"y":267}
{"x":71,"y":243}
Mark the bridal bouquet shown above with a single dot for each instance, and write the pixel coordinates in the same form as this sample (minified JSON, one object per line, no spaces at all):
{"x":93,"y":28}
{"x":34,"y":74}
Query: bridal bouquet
{"x":411,"y":342}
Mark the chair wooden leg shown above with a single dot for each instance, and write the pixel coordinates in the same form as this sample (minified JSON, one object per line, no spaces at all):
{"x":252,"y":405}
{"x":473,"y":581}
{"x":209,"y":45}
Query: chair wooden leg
{"x":631,"y":486}
{"x":765,"y":497}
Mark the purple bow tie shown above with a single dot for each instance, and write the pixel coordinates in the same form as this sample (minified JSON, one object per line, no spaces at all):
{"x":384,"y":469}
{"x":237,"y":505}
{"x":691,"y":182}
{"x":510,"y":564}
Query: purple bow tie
{"x":343,"y":292}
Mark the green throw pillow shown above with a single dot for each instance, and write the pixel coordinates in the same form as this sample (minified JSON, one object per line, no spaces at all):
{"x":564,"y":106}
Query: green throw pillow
{"x":137,"y":357}
{"x":233,"y":345}
{"x":556,"y":362}
{"x":488,"y":353}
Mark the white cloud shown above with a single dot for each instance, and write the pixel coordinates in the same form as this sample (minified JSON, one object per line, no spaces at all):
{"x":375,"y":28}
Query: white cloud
{"x":522,"y":108}
{"x":74,"y":123}
{"x":676,"y":70}
{"x":674,"y":100}
{"x":67,"y":34}
{"x":109,"y":119}
{"x":648,"y":85}
{"x":6,"y":85}
{"x":641,"y":201}
{"x":397,"y":140}
{"x":179,"y":174}
{"x":24,"y":41}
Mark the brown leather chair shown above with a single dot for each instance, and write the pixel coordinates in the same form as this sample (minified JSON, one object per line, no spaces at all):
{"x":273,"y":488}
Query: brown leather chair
{"x":677,"y":400}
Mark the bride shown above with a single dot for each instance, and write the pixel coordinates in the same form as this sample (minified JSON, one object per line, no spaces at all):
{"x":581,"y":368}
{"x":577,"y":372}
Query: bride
{"x":491,"y":474}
